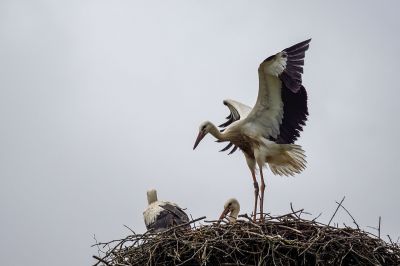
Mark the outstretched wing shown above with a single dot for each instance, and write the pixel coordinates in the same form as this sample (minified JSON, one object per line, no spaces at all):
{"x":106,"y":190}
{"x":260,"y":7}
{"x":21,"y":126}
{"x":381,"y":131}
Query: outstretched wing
{"x":281,"y":108}
{"x":238,"y":111}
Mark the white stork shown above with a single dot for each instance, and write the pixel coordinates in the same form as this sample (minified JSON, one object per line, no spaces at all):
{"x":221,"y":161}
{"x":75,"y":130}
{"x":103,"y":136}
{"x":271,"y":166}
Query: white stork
{"x":231,"y":210}
{"x":266,"y":133}
{"x":160,"y":215}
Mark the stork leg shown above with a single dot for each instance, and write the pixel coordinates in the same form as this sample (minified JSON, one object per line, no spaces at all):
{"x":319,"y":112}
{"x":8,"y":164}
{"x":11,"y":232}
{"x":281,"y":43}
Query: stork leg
{"x":256,"y":189}
{"x":262,"y":196}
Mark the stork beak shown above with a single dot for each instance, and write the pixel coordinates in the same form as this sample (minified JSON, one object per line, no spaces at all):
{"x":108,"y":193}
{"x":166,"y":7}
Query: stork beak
{"x":199,"y":138}
{"x":224,"y":213}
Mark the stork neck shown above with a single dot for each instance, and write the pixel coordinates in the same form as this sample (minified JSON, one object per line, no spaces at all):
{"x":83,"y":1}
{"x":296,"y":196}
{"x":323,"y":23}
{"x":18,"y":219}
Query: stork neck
{"x":151,"y":196}
{"x":216,"y":133}
{"x":233,"y":215}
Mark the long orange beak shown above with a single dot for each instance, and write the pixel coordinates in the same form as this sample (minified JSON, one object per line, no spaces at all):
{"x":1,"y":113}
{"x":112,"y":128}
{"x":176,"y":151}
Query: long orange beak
{"x":224,"y":213}
{"x":199,"y":138}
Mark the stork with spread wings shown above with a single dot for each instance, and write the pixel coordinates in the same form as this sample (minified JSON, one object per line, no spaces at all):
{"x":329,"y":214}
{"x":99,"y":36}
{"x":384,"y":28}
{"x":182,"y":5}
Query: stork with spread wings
{"x":266,"y":133}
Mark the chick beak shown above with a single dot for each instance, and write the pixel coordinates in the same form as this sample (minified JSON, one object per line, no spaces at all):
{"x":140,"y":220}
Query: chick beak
{"x":199,"y":138}
{"x":224,"y":213}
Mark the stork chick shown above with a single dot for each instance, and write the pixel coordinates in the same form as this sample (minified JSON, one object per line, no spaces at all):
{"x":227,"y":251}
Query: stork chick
{"x":231,"y":210}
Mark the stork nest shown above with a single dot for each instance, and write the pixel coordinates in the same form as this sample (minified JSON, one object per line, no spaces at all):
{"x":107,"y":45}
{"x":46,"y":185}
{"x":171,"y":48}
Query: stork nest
{"x":280,"y":240}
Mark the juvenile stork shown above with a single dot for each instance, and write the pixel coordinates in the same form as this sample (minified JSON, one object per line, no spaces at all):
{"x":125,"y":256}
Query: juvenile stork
{"x":266,"y":133}
{"x":160,"y":215}
{"x":231,"y":210}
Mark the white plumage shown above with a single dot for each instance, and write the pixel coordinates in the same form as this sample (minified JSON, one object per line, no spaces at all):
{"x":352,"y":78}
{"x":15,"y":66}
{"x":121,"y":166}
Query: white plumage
{"x":160,"y":215}
{"x":266,"y":133}
{"x":231,"y":210}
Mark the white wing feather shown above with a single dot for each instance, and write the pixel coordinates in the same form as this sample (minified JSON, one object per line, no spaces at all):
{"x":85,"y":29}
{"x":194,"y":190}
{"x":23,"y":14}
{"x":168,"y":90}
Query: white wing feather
{"x":238,"y":111}
{"x":267,"y":114}
{"x":242,"y":109}
{"x":275,"y":67}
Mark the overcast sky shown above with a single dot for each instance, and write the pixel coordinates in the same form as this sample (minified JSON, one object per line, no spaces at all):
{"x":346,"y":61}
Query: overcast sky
{"x":101,"y":100}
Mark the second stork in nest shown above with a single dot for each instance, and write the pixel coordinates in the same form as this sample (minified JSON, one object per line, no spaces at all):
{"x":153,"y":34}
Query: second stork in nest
{"x":161,"y":215}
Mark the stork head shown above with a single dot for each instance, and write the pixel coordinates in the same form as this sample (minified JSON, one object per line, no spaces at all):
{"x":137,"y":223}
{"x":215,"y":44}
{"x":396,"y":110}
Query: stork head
{"x":204,"y":128}
{"x":231,"y":207}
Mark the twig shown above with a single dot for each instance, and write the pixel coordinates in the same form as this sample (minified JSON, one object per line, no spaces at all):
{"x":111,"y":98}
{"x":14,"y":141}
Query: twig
{"x":133,"y":232}
{"x":100,"y":260}
{"x":379,"y":228}
{"x":336,"y":211}
{"x":317,"y":217}
{"x":354,"y":221}
{"x":295,"y":213}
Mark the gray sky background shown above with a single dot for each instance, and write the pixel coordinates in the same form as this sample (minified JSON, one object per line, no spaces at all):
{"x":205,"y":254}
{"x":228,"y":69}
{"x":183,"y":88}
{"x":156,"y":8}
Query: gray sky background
{"x":101,"y":100}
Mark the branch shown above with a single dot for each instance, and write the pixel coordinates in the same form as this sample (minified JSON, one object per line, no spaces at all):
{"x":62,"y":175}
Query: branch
{"x":336,"y":211}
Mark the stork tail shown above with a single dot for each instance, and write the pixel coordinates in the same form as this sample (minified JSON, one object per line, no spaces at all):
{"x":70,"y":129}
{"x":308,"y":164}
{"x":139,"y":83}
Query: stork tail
{"x":290,"y":161}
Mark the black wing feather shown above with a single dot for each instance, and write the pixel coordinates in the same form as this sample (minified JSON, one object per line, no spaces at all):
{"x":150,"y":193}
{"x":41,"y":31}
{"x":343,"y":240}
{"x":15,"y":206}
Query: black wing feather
{"x":295,"y":112}
{"x":227,"y":146}
{"x":232,"y":117}
{"x":233,"y":150}
{"x":294,"y":95}
{"x":295,"y":54}
{"x":170,"y":216}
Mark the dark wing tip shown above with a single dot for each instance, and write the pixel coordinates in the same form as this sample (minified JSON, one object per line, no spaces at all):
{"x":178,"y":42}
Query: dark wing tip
{"x":299,"y":47}
{"x":233,"y":150}
{"x":291,"y":76}
{"x":227,"y":147}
